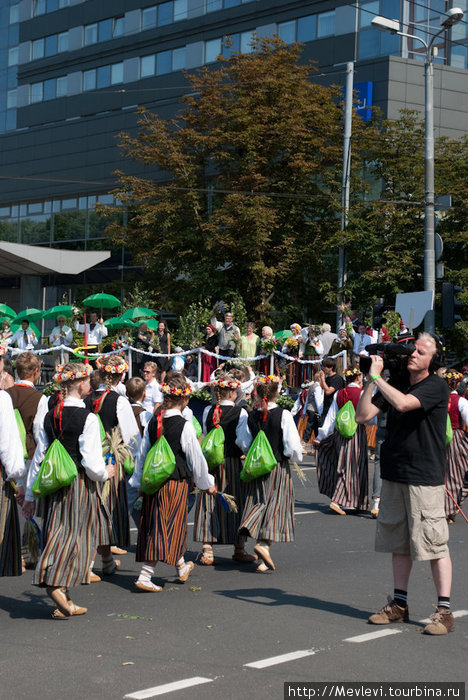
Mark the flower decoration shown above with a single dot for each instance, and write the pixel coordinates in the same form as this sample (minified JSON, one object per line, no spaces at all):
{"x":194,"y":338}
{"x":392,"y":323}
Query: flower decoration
{"x":226,"y":383}
{"x":453,"y":374}
{"x":71,"y":374}
{"x":268,"y":379}
{"x":111,"y":369}
{"x":352,"y":372}
{"x":3,"y":350}
{"x":292,"y":342}
{"x":174,"y":391}
{"x":268,"y":345}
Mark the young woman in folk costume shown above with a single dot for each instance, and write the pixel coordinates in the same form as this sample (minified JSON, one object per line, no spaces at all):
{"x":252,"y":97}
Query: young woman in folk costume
{"x":213,"y":524}
{"x":291,"y":348}
{"x":12,"y":468}
{"x":457,"y":449}
{"x":70,"y":514}
{"x":342,"y":468}
{"x":114,"y":411}
{"x":268,"y":514}
{"x":162,"y":533}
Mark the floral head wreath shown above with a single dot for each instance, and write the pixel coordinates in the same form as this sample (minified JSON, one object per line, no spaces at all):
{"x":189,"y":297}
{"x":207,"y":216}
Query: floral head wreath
{"x":3,"y":350}
{"x":111,"y":369}
{"x":168,"y":390}
{"x":269,"y":379}
{"x":295,"y":326}
{"x":352,"y":372}
{"x":71,"y":374}
{"x":453,"y":374}
{"x":226,"y":383}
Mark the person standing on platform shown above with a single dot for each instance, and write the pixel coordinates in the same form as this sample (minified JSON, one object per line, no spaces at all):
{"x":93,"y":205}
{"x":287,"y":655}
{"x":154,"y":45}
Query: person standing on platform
{"x":61,"y":335}
{"x":95,"y":329}
{"x":25,"y":337}
{"x":228,"y":334}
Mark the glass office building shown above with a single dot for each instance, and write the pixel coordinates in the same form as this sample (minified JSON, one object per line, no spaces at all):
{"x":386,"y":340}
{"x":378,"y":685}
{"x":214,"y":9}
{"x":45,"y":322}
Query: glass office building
{"x":73,"y":73}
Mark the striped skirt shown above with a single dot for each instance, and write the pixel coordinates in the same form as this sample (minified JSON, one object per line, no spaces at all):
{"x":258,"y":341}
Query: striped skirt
{"x":269,"y":506}
{"x":213,"y":524}
{"x":371,"y":434}
{"x":457,"y":466}
{"x":10,"y":541}
{"x":162,"y":535}
{"x":69,"y":534}
{"x":342,"y":470}
{"x":113,"y":523}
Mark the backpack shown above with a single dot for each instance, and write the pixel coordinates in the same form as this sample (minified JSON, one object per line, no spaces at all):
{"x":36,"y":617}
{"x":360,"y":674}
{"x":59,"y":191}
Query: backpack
{"x":159,"y":464}
{"x":345,"y":420}
{"x":57,"y":470}
{"x":260,"y":459}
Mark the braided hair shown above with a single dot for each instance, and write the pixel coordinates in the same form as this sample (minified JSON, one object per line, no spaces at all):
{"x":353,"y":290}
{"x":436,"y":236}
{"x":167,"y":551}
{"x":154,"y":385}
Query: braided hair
{"x":74,"y":368}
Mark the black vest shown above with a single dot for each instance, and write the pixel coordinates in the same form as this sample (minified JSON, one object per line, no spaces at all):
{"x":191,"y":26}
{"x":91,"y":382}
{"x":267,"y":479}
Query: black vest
{"x":73,"y":422}
{"x":108,"y":412}
{"x":172,"y":431}
{"x":272,"y":429}
{"x":228,"y":422}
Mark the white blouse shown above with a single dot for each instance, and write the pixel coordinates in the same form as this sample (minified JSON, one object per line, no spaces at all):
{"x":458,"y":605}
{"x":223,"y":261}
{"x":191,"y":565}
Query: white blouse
{"x":89,"y":444}
{"x":11,"y":448}
{"x":190,"y":447}
{"x":127,"y":422}
{"x":243,"y":434}
{"x":329,"y":422}
{"x":463,"y":408}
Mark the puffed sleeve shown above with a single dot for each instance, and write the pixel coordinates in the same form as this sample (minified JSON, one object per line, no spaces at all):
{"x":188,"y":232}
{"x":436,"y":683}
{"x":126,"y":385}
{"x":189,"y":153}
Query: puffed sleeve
{"x":243,"y":434}
{"x":291,"y":439}
{"x":195,"y":459}
{"x":128,"y":425}
{"x":11,"y":449}
{"x":329,"y":422}
{"x":42,"y":443}
{"x":91,"y":450}
{"x":463,"y":408}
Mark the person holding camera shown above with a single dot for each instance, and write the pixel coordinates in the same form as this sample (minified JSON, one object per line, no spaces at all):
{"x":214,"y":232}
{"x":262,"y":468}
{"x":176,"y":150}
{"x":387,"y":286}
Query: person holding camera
{"x":411,"y":523}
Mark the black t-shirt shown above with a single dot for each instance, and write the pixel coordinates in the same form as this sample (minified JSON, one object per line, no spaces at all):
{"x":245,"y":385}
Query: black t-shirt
{"x":413,"y":451}
{"x":337,"y":382}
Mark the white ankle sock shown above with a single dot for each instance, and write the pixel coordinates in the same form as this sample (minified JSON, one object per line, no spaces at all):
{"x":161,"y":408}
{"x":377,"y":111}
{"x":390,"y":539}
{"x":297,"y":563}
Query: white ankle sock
{"x":146,"y":573}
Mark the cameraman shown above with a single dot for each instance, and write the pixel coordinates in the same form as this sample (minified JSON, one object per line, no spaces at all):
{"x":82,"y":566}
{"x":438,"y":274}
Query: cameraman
{"x":411,"y":522}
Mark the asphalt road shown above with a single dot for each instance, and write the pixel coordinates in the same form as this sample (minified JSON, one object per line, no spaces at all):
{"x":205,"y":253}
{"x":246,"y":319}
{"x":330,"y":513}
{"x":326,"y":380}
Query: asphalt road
{"x":232,"y":633}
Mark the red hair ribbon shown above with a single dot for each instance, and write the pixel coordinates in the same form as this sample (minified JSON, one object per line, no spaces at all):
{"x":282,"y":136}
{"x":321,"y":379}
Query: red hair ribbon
{"x":159,"y":419}
{"x":264,"y":404}
{"x":217,"y":415}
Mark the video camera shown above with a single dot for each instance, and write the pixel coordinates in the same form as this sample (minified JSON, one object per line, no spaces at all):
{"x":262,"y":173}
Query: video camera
{"x":395,"y":357}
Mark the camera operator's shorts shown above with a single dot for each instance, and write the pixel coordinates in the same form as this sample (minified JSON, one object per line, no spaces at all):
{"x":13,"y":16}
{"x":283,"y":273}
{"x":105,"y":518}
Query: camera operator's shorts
{"x":412,"y":521}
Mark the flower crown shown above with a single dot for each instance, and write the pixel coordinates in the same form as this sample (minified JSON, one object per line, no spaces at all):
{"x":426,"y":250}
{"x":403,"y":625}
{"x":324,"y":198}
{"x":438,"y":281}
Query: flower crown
{"x":352,"y":372}
{"x":174,"y":391}
{"x":269,"y":379}
{"x":226,"y":383}
{"x":453,"y":374}
{"x":71,"y":374}
{"x":111,"y":369}
{"x":3,"y":350}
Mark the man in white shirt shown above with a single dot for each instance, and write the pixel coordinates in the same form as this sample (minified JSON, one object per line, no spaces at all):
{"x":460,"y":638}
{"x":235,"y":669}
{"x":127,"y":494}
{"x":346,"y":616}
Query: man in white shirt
{"x":61,"y":335}
{"x":25,"y":338}
{"x":153,"y":394}
{"x":326,"y":337}
{"x":361,"y":340}
{"x":95,"y":329}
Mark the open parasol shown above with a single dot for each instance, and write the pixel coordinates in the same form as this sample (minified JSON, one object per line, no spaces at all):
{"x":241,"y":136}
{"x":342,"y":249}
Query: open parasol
{"x":6,"y":310}
{"x":119,"y":322}
{"x":282,"y":335}
{"x":139,"y":312}
{"x":59,"y":310}
{"x":29,"y":315}
{"x":102,"y":301}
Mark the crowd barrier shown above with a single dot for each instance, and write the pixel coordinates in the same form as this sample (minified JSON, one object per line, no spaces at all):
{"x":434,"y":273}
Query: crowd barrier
{"x":130,"y":351}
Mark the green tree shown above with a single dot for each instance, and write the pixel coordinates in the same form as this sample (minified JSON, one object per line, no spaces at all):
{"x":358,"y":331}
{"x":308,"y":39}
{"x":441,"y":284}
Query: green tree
{"x":250,"y":192}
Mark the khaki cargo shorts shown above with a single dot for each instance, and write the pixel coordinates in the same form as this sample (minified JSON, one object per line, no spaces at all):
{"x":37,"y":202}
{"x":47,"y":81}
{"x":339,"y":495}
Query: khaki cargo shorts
{"x":412,"y":521}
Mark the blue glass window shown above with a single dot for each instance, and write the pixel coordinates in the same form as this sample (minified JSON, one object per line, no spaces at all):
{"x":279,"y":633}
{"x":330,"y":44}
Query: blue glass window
{"x":147,"y":66}
{"x":50,"y":89}
{"x":368,"y":11}
{"x":163,"y":62}
{"x":213,"y":5}
{"x":165,"y":13}
{"x":180,"y":10}
{"x":389,"y":44}
{"x":36,"y":92}
{"x":91,"y":34}
{"x":287,"y":31}
{"x":212,"y":50}
{"x":103,"y":76}
{"x":37,"y":49}
{"x":119,"y":26}
{"x":231,"y":3}
{"x":306,"y":28}
{"x":62,"y":42}
{"x":149,"y":17}
{"x":89,"y":79}
{"x":117,"y":73}
{"x":246,"y":42}
{"x":62,"y":86}
{"x":51,"y":44}
{"x":39,"y":7}
{"x":326,"y":24}
{"x":105,"y":30}
{"x":178,"y":59}
{"x":233,"y":42}
{"x":369,"y":43}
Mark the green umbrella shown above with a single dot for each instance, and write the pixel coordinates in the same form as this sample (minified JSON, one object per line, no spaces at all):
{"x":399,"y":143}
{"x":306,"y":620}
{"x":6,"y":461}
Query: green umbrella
{"x":5,"y":318}
{"x":119,"y":322}
{"x":59,"y":310}
{"x":282,"y":335}
{"x":7,"y":311}
{"x":16,"y":325}
{"x":151,"y":323}
{"x":29,"y":315}
{"x":138,"y":312}
{"x":102,"y":301}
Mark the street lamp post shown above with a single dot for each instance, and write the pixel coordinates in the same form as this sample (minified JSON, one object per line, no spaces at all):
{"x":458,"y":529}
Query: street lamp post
{"x":453,"y":16}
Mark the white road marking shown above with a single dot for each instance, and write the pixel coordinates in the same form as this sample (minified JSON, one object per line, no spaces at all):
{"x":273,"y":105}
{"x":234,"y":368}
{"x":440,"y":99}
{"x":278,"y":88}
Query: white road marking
{"x":455,"y":613}
{"x":305,"y":512}
{"x":372,"y":635}
{"x":283,"y":658}
{"x":168,"y":688}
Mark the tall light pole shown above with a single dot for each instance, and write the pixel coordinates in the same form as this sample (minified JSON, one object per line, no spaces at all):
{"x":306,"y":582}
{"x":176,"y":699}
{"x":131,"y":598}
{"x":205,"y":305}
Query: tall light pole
{"x":391,"y":25}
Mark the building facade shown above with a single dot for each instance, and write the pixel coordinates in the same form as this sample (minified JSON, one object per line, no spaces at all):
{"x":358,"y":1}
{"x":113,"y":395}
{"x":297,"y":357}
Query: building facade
{"x":74,"y":72}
